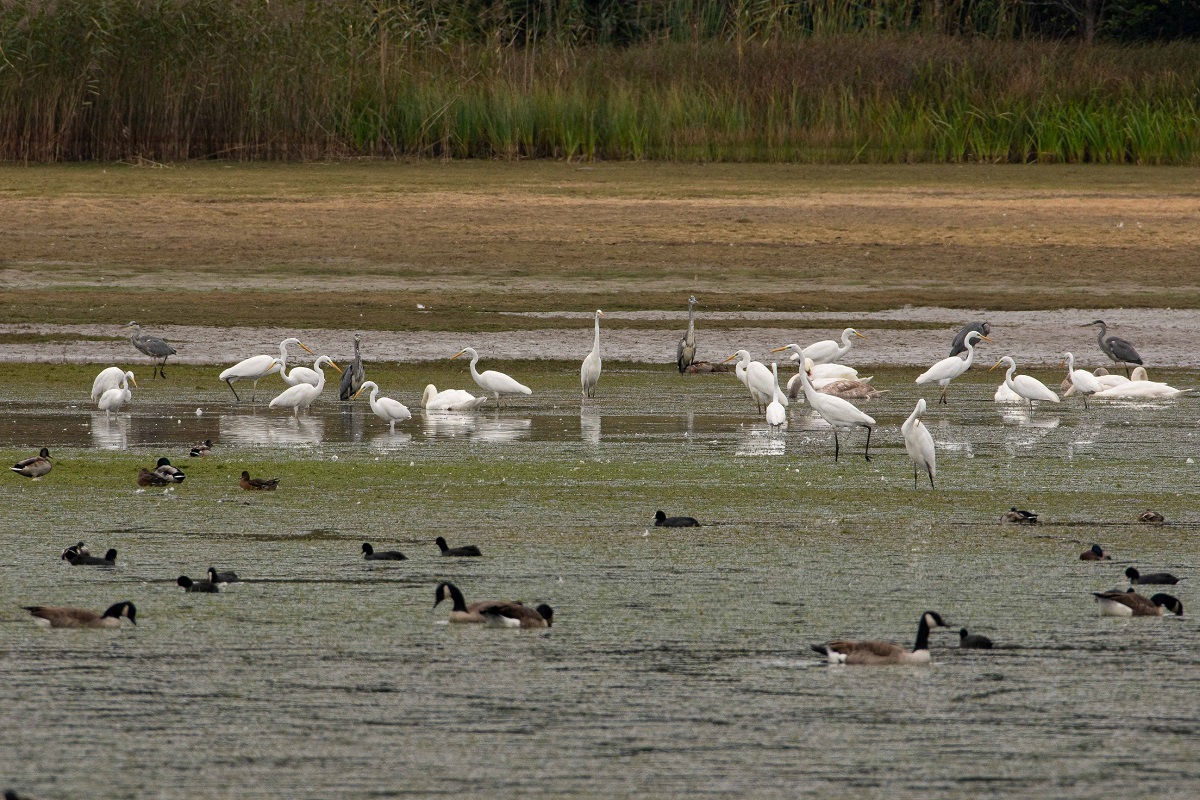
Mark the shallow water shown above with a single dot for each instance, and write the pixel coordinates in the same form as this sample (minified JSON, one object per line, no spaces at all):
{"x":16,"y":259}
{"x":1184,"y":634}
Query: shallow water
{"x":679,"y":662}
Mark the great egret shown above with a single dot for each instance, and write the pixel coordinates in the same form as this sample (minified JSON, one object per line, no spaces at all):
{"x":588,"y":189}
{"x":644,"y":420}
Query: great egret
{"x":828,"y":351}
{"x":297,"y":375}
{"x":1082,"y":381}
{"x":450,"y":399}
{"x":776,"y":414}
{"x":950,"y":368}
{"x":109,"y":378}
{"x":35,"y":466}
{"x":302,"y":395}
{"x":919,"y":444}
{"x":960,"y":338}
{"x":1025,"y":385}
{"x":490,"y":380}
{"x":875,"y":653}
{"x":502,"y":613}
{"x":258,"y":484}
{"x":252,"y":369}
{"x":837,"y":412}
{"x":1139,"y":388}
{"x":352,"y":378}
{"x":589,"y":373}
{"x":756,"y":377}
{"x":389,"y":410}
{"x":113,"y":399}
{"x":152,"y":346}
{"x":685,"y":353}
{"x":1116,"y":348}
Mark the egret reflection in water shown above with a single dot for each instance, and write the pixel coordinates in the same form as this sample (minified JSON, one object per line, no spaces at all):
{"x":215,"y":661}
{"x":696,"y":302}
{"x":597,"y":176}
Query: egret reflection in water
{"x":110,"y":433}
{"x":257,"y":431}
{"x":589,"y":425}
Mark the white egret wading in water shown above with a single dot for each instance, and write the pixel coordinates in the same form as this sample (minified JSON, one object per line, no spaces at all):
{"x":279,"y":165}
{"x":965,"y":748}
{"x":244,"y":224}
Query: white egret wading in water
{"x":756,"y":378}
{"x":113,"y":399}
{"x":828,"y":351}
{"x":1116,"y":348}
{"x":918,"y":443}
{"x":450,"y":399}
{"x":256,"y":368}
{"x":589,"y":373}
{"x":297,"y":375}
{"x":302,"y":395}
{"x":1026,"y":386}
{"x":950,"y":368}
{"x":1084,"y":382}
{"x":685,"y":353}
{"x":837,"y":412}
{"x":491,"y":381}
{"x":389,"y":410}
{"x":152,"y":346}
{"x":776,"y":414}
{"x":109,"y":378}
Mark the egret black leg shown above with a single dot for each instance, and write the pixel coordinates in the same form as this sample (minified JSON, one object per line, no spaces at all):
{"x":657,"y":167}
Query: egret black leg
{"x":914,"y":474}
{"x":1085,"y":405}
{"x":836,"y":448}
{"x":235,"y":394}
{"x":943,"y":398}
{"x":867,"y":451}
{"x":931,"y":486}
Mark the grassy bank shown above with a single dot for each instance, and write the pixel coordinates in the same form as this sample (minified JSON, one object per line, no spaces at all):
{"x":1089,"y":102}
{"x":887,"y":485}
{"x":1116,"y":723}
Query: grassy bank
{"x":119,"y":79}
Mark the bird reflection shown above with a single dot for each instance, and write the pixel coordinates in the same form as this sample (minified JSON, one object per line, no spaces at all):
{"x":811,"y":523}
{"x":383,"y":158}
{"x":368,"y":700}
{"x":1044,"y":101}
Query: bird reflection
{"x":110,"y":433}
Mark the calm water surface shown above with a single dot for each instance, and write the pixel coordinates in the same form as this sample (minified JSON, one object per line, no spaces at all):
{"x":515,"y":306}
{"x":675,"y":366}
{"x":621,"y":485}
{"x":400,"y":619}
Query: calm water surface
{"x":679,"y":662}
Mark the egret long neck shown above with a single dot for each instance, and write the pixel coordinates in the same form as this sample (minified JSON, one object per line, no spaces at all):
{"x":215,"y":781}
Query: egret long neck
{"x":474,"y":371}
{"x":1008,"y":376}
{"x":596,"y":343}
{"x":970,"y":353}
{"x":283,"y":356}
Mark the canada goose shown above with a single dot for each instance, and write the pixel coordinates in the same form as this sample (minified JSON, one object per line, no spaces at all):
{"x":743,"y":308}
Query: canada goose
{"x":147,"y":478}
{"x":1153,"y":577}
{"x":973,"y":641}
{"x":1019,"y":517}
{"x":369,"y":554}
{"x":258,"y":484}
{"x":504,"y":613}
{"x":221,"y":577}
{"x":87,"y":560}
{"x":1151,"y":517}
{"x":67,"y":617}
{"x":202,"y":449}
{"x":1096,"y":553}
{"x":1131,"y":604}
{"x":873,"y":652}
{"x":465,"y":550}
{"x":661,"y":520}
{"x":74,"y":551}
{"x":166,"y":470}
{"x":34,"y":467}
{"x":190,"y":585}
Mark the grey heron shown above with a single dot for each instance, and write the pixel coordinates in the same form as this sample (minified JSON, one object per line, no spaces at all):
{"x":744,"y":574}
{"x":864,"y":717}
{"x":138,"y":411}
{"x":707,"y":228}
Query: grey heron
{"x":685,"y":353}
{"x":1116,"y":348}
{"x":960,"y":338}
{"x":152,"y":346}
{"x":352,"y":378}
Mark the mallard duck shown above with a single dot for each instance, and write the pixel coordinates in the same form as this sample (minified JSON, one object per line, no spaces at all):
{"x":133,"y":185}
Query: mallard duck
{"x":147,"y":478}
{"x":1151,"y":517}
{"x":166,"y":470}
{"x":202,"y":449}
{"x":67,"y":617}
{"x":661,"y":520}
{"x":465,"y":550}
{"x":873,"y":652}
{"x":1019,"y":516}
{"x":34,"y":467}
{"x":1131,"y":604}
{"x":1096,"y":553}
{"x":370,"y":554}
{"x":502,"y":613}
{"x":258,"y":484}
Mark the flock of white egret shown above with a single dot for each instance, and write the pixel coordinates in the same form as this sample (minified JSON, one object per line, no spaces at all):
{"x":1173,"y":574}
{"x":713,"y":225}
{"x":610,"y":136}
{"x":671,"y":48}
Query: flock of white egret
{"x":826,"y":385}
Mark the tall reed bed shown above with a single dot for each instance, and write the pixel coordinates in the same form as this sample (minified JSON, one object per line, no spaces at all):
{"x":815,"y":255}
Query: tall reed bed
{"x":183,"y":79}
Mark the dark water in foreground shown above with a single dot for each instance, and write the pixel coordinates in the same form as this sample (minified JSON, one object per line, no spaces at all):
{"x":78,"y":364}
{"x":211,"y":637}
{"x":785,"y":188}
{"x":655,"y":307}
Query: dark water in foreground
{"x":678,"y":664}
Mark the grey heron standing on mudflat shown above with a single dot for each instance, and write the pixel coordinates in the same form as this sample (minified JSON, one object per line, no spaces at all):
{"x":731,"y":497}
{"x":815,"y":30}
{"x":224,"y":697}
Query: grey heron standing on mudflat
{"x":685,"y":354}
{"x":352,"y":378}
{"x":152,"y":346}
{"x":1116,"y":348}
{"x":960,"y":338}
